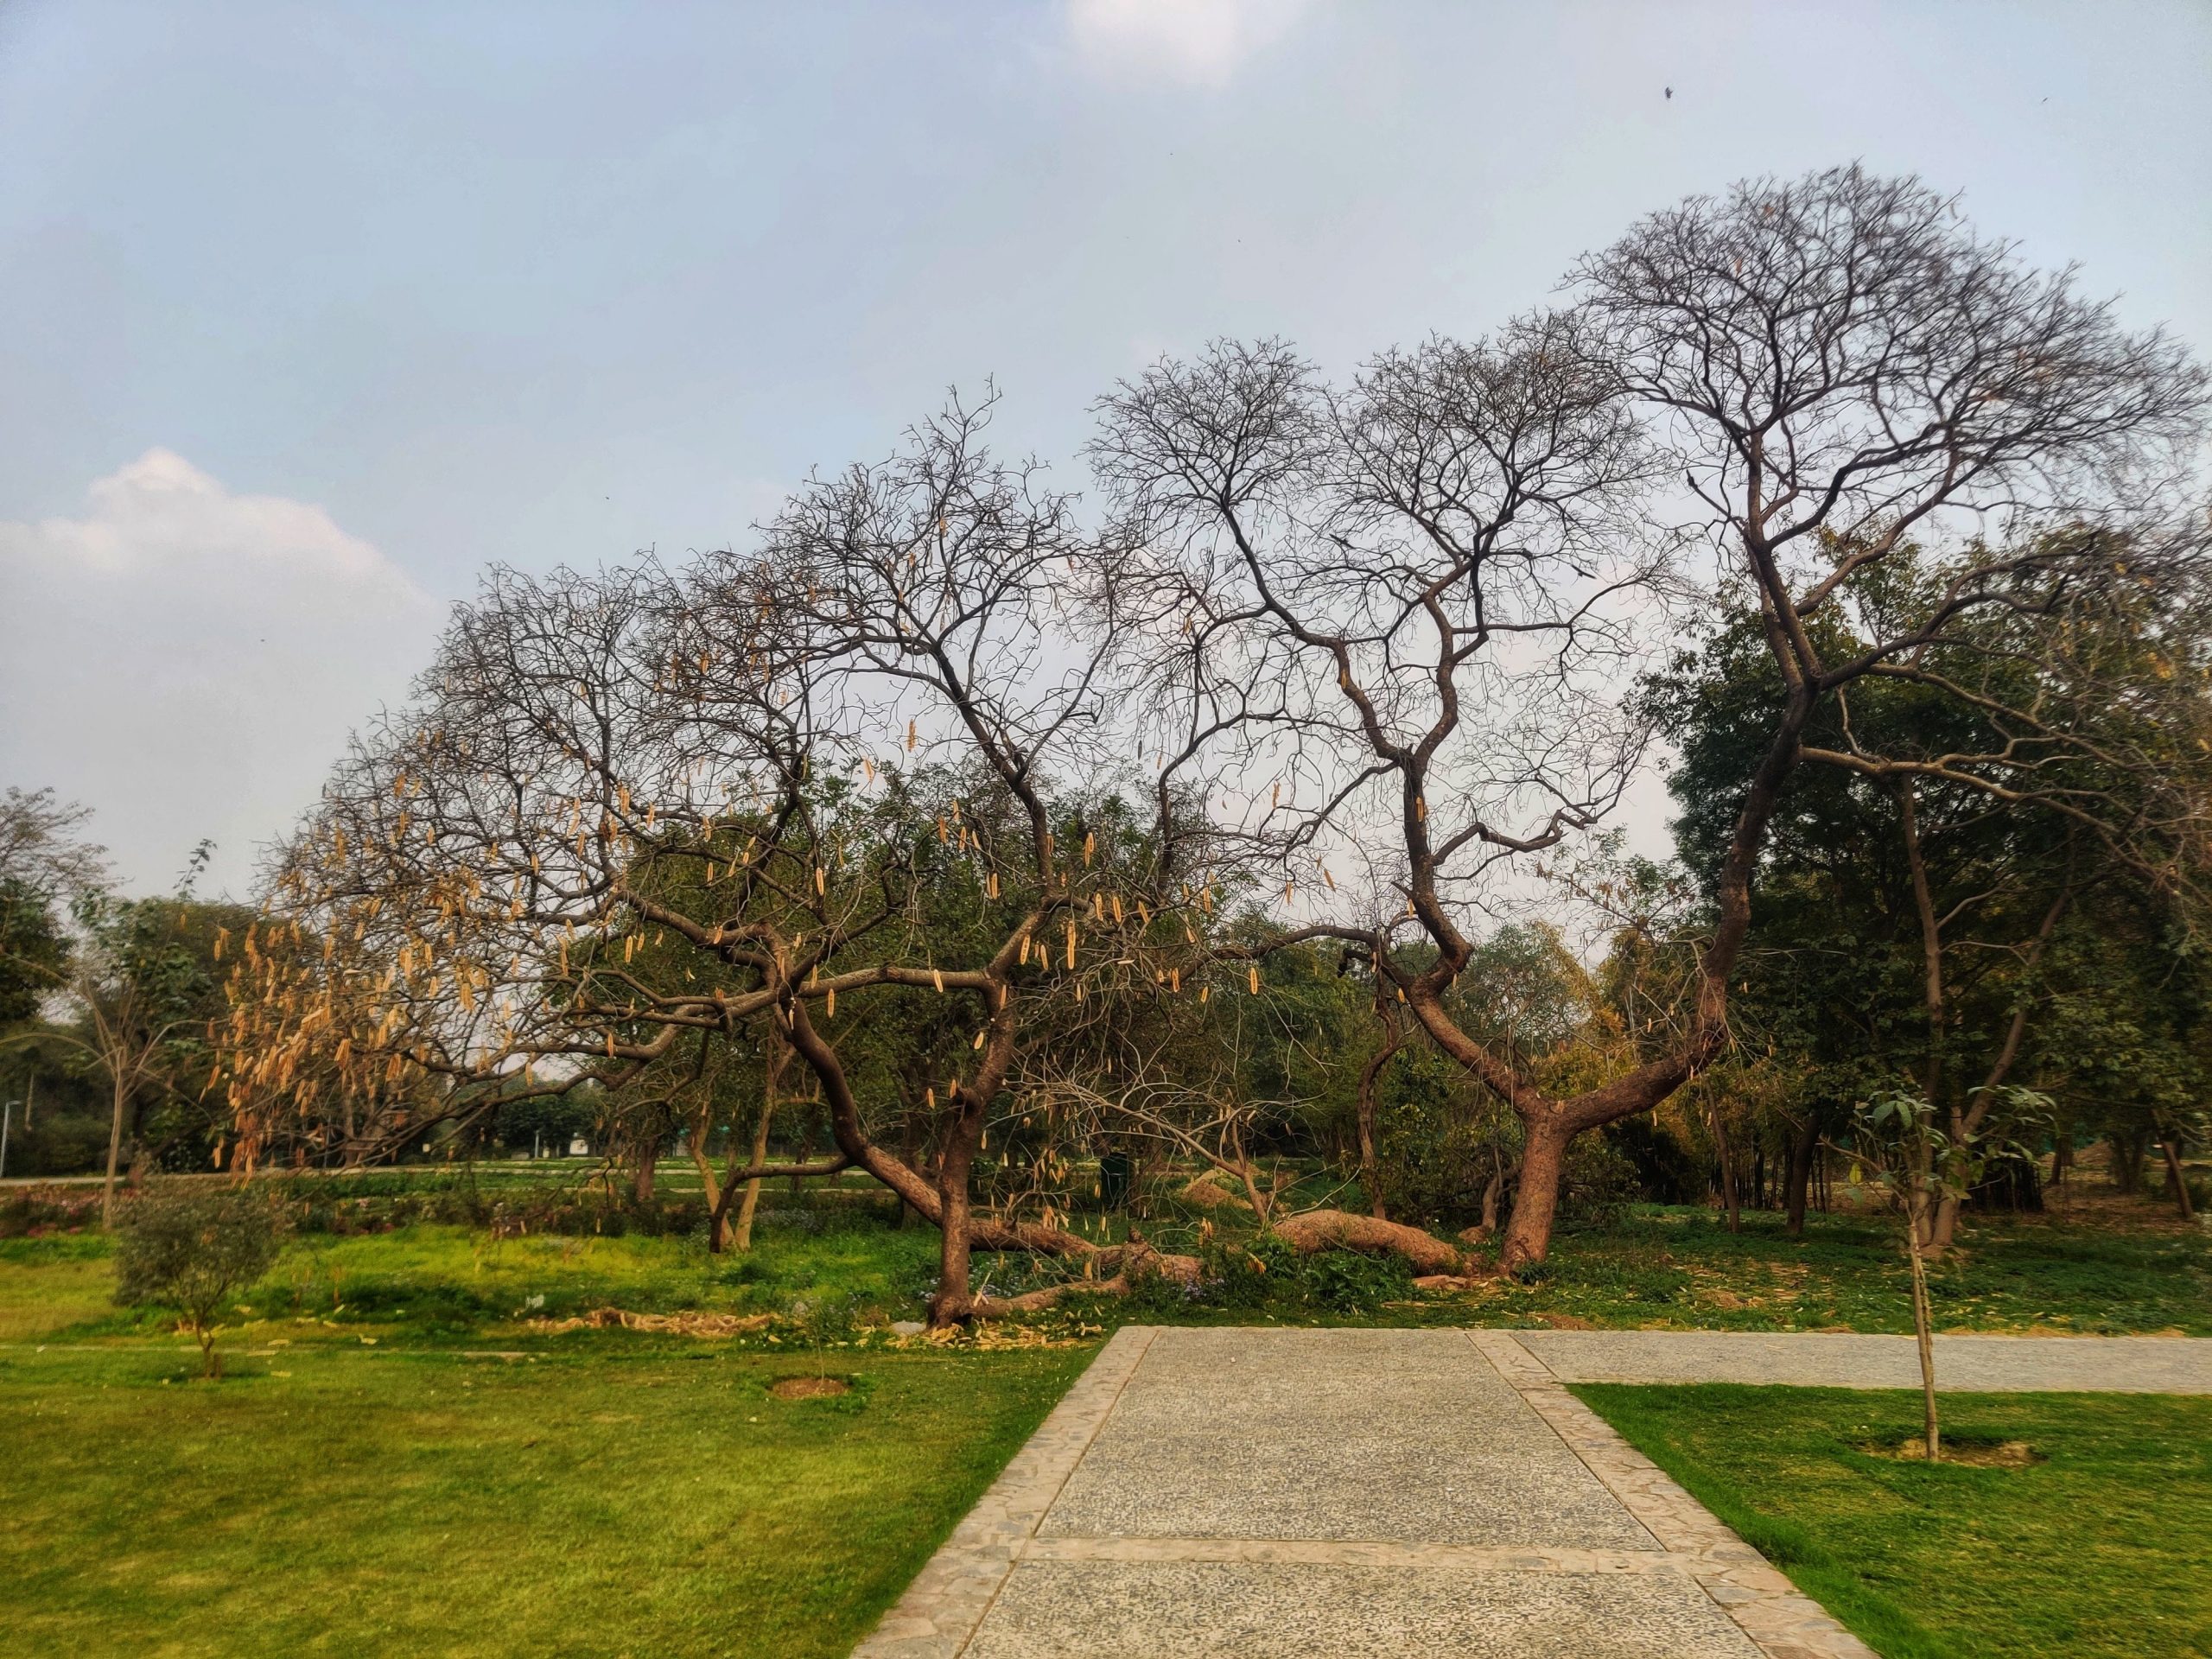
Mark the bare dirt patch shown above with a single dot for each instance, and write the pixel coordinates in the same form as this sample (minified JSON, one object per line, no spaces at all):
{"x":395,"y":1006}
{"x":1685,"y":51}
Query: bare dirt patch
{"x":809,"y":1387}
{"x":1974,"y":1454}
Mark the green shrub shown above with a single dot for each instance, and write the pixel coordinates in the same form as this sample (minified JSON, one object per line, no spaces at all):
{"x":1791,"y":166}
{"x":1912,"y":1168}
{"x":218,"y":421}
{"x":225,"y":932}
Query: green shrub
{"x":189,"y":1245}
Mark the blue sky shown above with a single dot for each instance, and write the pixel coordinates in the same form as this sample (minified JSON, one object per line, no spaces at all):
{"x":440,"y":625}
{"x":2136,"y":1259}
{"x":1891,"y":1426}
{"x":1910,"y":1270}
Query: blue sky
{"x":311,"y":310}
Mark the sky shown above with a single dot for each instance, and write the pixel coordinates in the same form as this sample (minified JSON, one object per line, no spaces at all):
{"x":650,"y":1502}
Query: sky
{"x":310,"y":312}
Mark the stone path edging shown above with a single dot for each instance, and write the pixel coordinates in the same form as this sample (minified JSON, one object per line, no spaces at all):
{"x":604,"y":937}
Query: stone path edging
{"x":1773,"y":1612}
{"x":950,"y":1596}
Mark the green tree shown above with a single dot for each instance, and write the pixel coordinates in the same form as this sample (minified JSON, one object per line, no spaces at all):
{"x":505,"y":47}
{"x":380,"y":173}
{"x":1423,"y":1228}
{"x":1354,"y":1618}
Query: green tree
{"x":191,"y":1244}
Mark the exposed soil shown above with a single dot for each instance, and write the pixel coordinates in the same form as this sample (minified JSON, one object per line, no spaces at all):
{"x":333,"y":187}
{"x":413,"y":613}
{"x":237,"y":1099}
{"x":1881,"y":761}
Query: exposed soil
{"x":1974,"y":1454}
{"x":809,"y":1387}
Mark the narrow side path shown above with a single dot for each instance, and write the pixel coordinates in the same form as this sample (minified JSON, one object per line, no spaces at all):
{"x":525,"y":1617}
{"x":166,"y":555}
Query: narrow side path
{"x":1818,"y":1359}
{"x":1295,"y":1494}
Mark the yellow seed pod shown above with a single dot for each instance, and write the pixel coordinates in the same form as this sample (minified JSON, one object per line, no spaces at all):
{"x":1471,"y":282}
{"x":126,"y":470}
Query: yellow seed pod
{"x":938,"y":974}
{"x":1256,"y":978}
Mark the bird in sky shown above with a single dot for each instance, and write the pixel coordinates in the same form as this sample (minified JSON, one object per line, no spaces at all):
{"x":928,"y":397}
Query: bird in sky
{"x":1670,"y":93}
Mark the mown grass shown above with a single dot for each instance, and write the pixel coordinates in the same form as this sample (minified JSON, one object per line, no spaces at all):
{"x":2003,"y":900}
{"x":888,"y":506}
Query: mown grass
{"x":598,"y":1502}
{"x":375,"y":1478}
{"x":2126,"y":1269}
{"x":50,"y":1284}
{"x":2097,"y":1551}
{"x":2123,"y":1268}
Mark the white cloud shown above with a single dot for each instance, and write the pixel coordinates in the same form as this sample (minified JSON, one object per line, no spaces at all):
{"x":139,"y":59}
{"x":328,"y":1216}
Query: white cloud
{"x":187,"y":661}
{"x":1198,"y":41}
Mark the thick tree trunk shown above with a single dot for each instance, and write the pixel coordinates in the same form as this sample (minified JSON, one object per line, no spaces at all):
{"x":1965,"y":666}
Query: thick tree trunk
{"x":749,"y":1205}
{"x":2126,"y":1163}
{"x":777,"y":1057}
{"x":641,"y":1174}
{"x":1535,"y":1197}
{"x":1802,"y":1147}
{"x":954,"y":1302}
{"x":717,"y":1215}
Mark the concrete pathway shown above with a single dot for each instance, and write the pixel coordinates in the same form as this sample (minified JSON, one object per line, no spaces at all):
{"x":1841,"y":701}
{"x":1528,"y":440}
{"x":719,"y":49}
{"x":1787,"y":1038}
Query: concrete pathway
{"x":1296,"y":1494}
{"x":1809,"y":1359}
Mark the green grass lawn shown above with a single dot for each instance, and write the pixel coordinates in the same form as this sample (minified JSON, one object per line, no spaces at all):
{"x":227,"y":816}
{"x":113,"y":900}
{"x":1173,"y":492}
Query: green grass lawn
{"x":2099,"y":1550}
{"x":374,"y":1477}
{"x":2128,"y":1270}
{"x":631,"y":1498}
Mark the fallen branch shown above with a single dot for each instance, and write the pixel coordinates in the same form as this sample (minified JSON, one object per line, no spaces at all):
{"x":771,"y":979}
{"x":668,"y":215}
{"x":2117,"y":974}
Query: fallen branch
{"x":687,"y":1325}
{"x":1318,"y":1229}
{"x":1135,"y":1261}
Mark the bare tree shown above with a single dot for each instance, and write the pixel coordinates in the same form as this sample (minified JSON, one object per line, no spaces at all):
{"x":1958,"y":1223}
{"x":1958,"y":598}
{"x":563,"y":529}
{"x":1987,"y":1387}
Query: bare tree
{"x":1907,"y":441}
{"x":638,"y":818}
{"x":1408,"y":608}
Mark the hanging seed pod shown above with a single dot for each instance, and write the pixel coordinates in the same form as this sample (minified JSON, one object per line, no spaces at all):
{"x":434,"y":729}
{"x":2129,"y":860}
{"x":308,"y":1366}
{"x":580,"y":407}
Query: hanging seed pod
{"x":938,"y":974}
{"x":1255,"y":979}
{"x":978,"y":1043}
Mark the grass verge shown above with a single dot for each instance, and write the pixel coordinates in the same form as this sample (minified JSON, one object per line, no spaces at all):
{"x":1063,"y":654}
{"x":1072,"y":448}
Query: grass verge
{"x":657,"y":1502}
{"x":2096,"y":1551}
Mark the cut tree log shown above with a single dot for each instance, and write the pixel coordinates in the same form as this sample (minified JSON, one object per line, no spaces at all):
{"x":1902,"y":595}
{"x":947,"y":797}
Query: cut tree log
{"x":1320,"y":1229}
{"x":1210,"y":1192}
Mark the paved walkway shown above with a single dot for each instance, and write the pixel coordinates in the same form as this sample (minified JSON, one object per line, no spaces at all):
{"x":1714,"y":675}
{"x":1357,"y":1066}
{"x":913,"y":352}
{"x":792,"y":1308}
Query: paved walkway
{"x":1296,"y":1494}
{"x":1963,"y":1364}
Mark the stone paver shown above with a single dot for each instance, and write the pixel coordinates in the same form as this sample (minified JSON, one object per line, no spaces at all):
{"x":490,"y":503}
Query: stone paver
{"x":1315,"y":1434}
{"x":1811,"y":1359}
{"x":1302,"y":1493}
